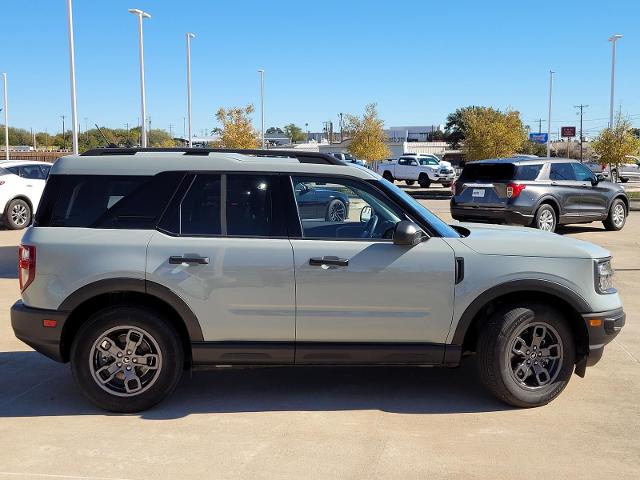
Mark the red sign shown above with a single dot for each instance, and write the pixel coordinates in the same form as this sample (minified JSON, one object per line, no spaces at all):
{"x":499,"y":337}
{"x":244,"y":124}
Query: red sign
{"x":568,"y":131}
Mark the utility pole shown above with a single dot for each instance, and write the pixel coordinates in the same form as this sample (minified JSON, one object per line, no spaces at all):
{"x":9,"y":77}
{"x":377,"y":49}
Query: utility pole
{"x":171,"y":131}
{"x":551,"y":72}
{"x":341,"y":131}
{"x":64,"y":135}
{"x":581,"y":107}
{"x":6,"y":116}
{"x":540,"y":125}
{"x":33,"y":136}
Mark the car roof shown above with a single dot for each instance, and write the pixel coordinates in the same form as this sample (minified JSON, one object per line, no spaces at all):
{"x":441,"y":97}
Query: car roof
{"x":153,"y":162}
{"x":526,"y":160}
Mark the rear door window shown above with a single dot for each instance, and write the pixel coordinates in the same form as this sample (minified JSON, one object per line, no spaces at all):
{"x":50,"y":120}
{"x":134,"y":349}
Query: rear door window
{"x":561,"y":171}
{"x":528,"y":172}
{"x":201,"y":209}
{"x":32,"y":172}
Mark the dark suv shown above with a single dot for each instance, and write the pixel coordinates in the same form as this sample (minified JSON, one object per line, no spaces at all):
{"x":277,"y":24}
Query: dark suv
{"x":537,"y":192}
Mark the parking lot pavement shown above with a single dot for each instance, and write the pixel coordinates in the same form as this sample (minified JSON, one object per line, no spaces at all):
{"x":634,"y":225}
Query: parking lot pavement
{"x":326,"y":423}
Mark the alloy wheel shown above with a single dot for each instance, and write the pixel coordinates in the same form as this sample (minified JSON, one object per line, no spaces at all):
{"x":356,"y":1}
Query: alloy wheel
{"x":535,"y":355}
{"x":337,"y":212}
{"x":125,"y":361}
{"x":618,"y":215}
{"x":546,"y":221}
{"x":19,"y":214}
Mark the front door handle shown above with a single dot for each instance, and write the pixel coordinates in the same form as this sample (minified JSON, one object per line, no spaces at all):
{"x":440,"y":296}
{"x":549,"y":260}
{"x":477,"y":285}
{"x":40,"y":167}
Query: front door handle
{"x":329,"y":261}
{"x":178,"y":260}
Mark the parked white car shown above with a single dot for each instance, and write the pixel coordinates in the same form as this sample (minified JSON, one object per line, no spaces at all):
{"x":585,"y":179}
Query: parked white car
{"x":21,"y":186}
{"x":628,"y":170}
{"x":425,"y":169}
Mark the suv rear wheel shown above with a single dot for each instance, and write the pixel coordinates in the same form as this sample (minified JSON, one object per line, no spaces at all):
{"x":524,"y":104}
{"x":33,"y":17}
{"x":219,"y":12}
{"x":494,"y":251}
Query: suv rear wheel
{"x":126,"y":359}
{"x":17,"y":214}
{"x":387,"y":176}
{"x":526,"y":354}
{"x":546,"y":218}
{"x":617,"y":216}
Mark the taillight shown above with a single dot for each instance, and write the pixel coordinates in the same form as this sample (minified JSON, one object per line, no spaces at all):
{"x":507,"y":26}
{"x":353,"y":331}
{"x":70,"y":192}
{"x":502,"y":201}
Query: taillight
{"x":514,"y":189}
{"x":26,"y":265}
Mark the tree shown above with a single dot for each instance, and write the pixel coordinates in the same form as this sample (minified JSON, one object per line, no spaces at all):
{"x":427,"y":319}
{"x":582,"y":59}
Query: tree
{"x":614,"y":144}
{"x":274,"y":130}
{"x":455,"y":127}
{"x":490,"y":133}
{"x":295,"y":133}
{"x":533,"y":148}
{"x":367,"y":135}
{"x":236,"y":130}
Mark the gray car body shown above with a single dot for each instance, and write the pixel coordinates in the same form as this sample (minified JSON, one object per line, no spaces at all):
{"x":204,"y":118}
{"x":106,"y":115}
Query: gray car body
{"x":260,"y":302}
{"x":574,"y":201}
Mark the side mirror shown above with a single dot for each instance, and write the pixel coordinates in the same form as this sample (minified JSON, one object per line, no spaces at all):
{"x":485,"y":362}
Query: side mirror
{"x":407,"y":233}
{"x":366,"y":214}
{"x":598,"y":177}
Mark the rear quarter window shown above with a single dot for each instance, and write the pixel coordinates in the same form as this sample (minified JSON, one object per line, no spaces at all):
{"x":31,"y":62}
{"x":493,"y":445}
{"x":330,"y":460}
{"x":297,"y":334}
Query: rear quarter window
{"x":106,"y":201}
{"x":527,"y":172}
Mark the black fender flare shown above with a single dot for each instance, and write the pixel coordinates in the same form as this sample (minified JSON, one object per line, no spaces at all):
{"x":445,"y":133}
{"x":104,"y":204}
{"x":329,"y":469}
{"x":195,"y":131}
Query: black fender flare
{"x":548,"y":198}
{"x":137,"y":285}
{"x":579,"y":304}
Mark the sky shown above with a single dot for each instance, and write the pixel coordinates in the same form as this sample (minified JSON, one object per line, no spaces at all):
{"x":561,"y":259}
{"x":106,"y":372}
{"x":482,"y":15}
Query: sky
{"x":418,"y":60}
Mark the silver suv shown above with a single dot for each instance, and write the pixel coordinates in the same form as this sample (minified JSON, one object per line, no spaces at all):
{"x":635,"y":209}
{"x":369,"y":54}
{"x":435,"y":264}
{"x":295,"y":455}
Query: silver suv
{"x":144,"y":263}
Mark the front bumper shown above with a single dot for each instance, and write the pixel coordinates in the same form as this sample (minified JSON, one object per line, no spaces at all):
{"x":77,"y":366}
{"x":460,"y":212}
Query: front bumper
{"x":28,"y":326}
{"x":601,"y":333}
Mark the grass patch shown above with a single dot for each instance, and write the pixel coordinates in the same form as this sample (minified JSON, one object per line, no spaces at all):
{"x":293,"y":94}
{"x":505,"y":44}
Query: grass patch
{"x":634,"y":195}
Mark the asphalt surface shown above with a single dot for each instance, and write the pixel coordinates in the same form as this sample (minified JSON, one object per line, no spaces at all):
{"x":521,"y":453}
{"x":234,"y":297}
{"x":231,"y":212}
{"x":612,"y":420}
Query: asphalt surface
{"x":325,"y":423}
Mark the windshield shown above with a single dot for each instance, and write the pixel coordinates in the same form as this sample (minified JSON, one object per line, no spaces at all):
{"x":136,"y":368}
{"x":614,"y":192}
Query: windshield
{"x":436,"y":223}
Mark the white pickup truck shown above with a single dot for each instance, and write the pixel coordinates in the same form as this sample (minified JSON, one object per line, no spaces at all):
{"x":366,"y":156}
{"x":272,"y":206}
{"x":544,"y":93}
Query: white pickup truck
{"x":424,"y":169}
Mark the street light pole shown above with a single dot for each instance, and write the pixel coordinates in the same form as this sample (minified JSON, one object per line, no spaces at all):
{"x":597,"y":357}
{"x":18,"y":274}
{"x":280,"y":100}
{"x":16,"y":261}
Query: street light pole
{"x":64,"y":135}
{"x":549,"y":116}
{"x":261,"y":72}
{"x":6,"y":116}
{"x":189,"y":37}
{"x":143,"y":107}
{"x":581,"y":107}
{"x":613,"y":39}
{"x":72,"y":76}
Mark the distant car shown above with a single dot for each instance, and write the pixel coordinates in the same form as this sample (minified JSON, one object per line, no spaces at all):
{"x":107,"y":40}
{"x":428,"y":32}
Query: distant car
{"x":628,"y":170}
{"x":425,"y":169}
{"x":321,"y":202}
{"x":542,"y":193}
{"x":348,"y":158}
{"x":21,"y":186}
{"x":595,"y":167}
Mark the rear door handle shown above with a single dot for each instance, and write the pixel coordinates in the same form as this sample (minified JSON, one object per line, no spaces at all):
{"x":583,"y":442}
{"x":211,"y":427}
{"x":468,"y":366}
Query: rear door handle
{"x":329,"y":261}
{"x":178,"y":260}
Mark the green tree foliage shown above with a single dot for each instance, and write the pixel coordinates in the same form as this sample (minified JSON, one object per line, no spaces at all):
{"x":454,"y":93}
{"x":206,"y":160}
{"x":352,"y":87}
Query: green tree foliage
{"x":614,"y":144}
{"x":490,"y":133}
{"x":277,"y":130}
{"x":367,"y":135}
{"x":455,"y":127}
{"x":295,"y":133}
{"x":534,"y":148}
{"x":236,"y":130}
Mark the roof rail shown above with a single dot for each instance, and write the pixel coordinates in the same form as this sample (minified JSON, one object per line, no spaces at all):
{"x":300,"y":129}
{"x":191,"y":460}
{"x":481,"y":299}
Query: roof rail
{"x":302,"y":156}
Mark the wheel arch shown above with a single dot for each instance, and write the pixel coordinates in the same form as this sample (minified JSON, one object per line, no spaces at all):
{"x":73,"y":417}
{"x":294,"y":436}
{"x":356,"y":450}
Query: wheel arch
{"x":561,"y":297}
{"x":622,"y":197}
{"x":20,"y":197}
{"x":104,"y":293}
{"x":550,"y":200}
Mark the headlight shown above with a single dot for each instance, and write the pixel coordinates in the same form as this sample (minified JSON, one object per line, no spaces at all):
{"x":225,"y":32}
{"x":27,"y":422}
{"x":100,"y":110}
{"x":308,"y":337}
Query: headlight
{"x":604,"y":276}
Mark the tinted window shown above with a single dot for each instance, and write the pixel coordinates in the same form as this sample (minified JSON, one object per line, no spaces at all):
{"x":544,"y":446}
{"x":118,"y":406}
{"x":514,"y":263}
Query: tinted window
{"x":14,"y":170}
{"x":528,"y":172}
{"x":45,"y":170}
{"x":582,"y":173}
{"x":250,"y":204}
{"x":80,"y":200}
{"x":561,"y":171}
{"x":33,"y":172}
{"x":488,"y":171}
{"x":429,"y":161}
{"x":200,"y":211}
{"x":403,"y":161}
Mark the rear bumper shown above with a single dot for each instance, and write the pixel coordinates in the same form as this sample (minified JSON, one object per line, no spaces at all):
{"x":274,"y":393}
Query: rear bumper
{"x":479,"y":213}
{"x":27,"y":324}
{"x":611,"y":323}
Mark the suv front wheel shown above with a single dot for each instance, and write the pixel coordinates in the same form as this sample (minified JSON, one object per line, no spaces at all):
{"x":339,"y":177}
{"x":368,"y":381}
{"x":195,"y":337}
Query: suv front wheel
{"x":526,"y":354}
{"x":126,"y":358}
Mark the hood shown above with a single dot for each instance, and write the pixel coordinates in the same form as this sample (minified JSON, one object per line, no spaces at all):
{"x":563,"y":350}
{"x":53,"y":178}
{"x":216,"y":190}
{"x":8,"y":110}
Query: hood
{"x":489,"y":239}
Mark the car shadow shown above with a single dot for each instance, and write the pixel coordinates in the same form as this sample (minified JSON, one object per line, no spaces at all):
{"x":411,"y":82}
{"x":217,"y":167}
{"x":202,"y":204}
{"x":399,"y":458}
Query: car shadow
{"x":37,"y":386}
{"x":9,"y":262}
{"x":567,"y":229}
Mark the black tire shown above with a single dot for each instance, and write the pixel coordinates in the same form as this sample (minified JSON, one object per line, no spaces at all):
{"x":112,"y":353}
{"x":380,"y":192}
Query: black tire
{"x":424,"y":181}
{"x":624,"y":179}
{"x":501,"y":369}
{"x":617,"y":216}
{"x":87,"y":361}
{"x":336,"y":211}
{"x":546,"y":218}
{"x":409,"y":182}
{"x":17,"y":214}
{"x":387,"y":176}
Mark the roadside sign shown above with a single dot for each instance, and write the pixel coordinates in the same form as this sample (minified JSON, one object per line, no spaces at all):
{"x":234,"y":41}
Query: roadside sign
{"x":568,"y":131}
{"x":538,"y":137}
